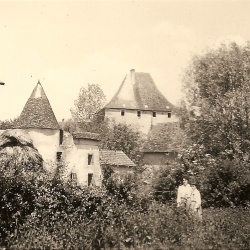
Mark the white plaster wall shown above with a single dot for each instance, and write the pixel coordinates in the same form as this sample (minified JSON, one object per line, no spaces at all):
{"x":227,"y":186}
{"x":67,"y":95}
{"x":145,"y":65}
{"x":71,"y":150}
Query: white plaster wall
{"x":142,"y":123}
{"x":76,"y":158}
{"x":47,"y":143}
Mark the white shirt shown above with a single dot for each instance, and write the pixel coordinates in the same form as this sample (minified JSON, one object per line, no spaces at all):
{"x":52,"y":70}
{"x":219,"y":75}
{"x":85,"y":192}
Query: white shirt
{"x":184,"y":192}
{"x":196,"y":197}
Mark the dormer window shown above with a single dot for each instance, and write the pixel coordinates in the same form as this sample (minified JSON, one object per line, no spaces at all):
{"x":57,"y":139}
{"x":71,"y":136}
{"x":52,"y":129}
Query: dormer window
{"x":169,"y":115}
{"x":154,"y":114}
{"x":122,"y":112}
{"x":139,"y":113}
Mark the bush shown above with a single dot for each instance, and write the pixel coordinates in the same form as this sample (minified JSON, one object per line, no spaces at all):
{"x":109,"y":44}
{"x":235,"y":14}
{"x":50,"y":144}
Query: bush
{"x":166,"y":181}
{"x":221,"y":181}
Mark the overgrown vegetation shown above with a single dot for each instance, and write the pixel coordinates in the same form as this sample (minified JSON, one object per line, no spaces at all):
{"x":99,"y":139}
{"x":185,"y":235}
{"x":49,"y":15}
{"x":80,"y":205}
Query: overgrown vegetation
{"x":63,"y":216}
{"x":8,"y":124}
{"x":40,"y":211}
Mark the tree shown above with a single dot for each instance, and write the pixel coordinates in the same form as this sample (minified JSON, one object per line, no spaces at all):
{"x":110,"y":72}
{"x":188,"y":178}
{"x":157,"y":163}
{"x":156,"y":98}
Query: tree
{"x":216,"y":112}
{"x":89,"y":101}
{"x":8,"y":124}
{"x":21,"y":166}
{"x":122,"y":137}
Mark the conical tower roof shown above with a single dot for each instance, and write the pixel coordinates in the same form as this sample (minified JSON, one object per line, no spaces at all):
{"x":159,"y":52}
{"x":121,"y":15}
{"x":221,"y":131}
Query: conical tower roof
{"x":138,"y":91}
{"x":37,"y":112}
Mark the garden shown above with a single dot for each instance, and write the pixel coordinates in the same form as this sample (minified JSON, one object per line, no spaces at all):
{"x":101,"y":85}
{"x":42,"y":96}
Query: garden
{"x":49,"y":213}
{"x":40,"y":210}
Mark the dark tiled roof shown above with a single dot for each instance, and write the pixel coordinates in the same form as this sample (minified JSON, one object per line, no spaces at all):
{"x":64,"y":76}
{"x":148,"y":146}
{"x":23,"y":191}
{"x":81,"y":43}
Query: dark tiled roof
{"x":115,"y":158}
{"x":139,"y":92}
{"x":163,"y":137}
{"x":86,"y":135}
{"x":37,"y":112}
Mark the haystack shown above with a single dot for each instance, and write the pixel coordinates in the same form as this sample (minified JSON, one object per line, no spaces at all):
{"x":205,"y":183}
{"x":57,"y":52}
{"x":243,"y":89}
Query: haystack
{"x":17,"y":151}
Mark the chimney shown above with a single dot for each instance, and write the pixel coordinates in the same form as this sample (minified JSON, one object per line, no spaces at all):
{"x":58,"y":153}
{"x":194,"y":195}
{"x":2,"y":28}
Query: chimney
{"x":132,"y":75}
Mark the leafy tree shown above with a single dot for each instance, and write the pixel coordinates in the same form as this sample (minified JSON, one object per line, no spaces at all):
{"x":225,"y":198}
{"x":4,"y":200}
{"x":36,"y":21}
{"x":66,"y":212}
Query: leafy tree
{"x":89,"y":101}
{"x":216,"y":112}
{"x":8,"y":124}
{"x":125,"y":138}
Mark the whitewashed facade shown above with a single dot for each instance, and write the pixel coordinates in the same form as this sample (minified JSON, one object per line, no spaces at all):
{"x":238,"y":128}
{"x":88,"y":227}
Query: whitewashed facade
{"x":79,"y":152}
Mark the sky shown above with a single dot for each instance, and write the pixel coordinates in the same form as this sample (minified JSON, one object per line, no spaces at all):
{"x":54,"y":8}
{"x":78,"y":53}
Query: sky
{"x":67,"y":45}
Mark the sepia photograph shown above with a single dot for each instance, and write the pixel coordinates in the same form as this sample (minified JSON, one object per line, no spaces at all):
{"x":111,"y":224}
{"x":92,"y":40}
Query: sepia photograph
{"x":125,"y":124}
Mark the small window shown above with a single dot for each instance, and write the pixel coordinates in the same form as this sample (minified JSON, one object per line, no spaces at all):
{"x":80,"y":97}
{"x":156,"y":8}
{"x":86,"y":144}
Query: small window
{"x":154,"y":114}
{"x":122,"y":113}
{"x":58,"y":156}
{"x":90,"y":159}
{"x":73,"y":176}
{"x":60,"y":136}
{"x":139,"y":113}
{"x":90,"y":178}
{"x":169,"y":115}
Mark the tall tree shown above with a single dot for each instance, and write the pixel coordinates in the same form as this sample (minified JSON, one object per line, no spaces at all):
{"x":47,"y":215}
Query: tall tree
{"x":217,"y":87}
{"x":89,"y":101}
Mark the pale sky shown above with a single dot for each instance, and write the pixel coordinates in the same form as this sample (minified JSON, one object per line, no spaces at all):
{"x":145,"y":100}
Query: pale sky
{"x":68,"y":44}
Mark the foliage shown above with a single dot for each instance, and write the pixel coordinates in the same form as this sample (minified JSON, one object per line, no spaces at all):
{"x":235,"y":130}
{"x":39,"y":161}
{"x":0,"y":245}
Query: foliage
{"x":216,"y":114}
{"x":221,"y":181}
{"x":165,"y":181}
{"x":69,"y":125}
{"x":125,"y":138}
{"x":89,"y":101}
{"x":114,"y":225}
{"x":8,"y":124}
{"x":42,"y":212}
{"x":215,"y":117}
{"x":113,"y":136}
{"x":123,"y":186}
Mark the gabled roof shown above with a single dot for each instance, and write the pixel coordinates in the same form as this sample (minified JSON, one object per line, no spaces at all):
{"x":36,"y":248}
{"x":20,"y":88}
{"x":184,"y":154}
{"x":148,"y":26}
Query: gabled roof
{"x":163,"y":137}
{"x":115,"y":158}
{"x":138,"y":91}
{"x":37,"y":112}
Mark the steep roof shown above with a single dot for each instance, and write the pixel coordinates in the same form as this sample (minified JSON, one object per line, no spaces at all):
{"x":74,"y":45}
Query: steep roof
{"x":138,"y":91}
{"x":115,"y":158}
{"x":163,"y":137}
{"x":37,"y":112}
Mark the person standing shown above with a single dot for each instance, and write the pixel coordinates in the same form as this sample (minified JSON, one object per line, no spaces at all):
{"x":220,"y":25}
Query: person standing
{"x":184,"y":194}
{"x":195,"y":206}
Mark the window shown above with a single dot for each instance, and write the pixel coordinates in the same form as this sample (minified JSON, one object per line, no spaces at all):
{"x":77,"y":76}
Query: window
{"x":154,"y":114}
{"x":58,"y":156}
{"x":90,"y":178}
{"x":90,"y":159}
{"x":73,"y":176}
{"x":60,"y":136}
{"x":139,"y":113}
{"x":169,"y":115}
{"x":122,"y":113}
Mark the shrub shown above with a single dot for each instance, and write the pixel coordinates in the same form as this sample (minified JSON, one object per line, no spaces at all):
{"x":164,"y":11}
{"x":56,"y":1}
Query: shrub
{"x":221,"y":181}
